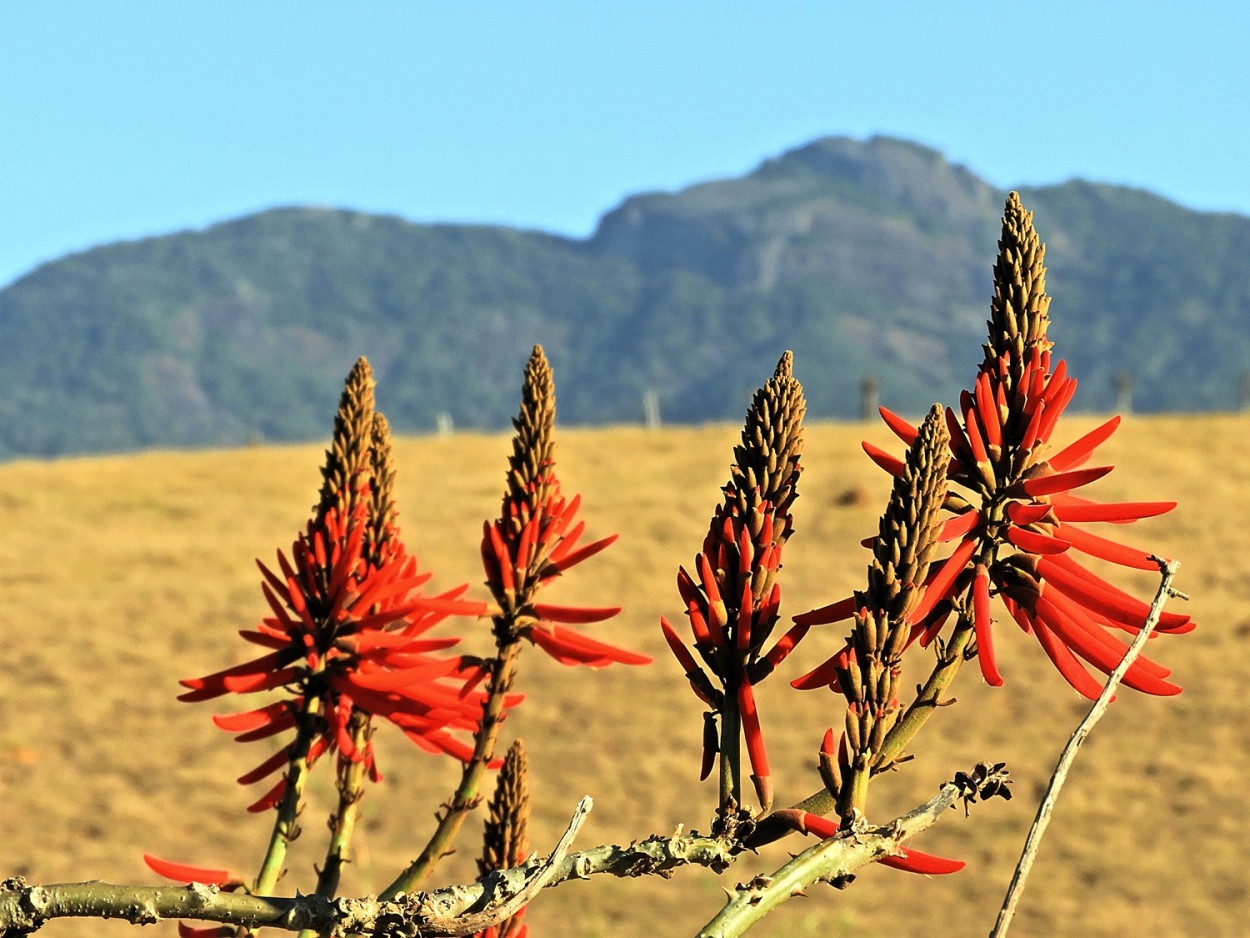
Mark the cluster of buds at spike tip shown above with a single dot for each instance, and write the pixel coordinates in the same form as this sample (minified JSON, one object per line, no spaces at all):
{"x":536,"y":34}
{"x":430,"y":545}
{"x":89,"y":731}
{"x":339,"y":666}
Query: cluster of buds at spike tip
{"x":733,"y":597}
{"x":505,"y":843}
{"x":348,"y":627}
{"x":536,"y":539}
{"x":1019,"y":526}
{"x":900,"y":603}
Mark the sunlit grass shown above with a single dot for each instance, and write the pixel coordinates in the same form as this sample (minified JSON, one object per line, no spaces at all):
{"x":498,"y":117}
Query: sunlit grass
{"x":123,"y":574}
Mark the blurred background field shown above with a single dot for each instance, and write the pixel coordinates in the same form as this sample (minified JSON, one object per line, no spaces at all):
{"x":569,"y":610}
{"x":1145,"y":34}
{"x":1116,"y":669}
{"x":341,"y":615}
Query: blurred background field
{"x":123,"y":574}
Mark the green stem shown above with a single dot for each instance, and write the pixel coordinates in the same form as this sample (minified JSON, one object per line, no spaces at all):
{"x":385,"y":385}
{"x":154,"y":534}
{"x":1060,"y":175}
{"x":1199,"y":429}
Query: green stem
{"x":730,"y":754}
{"x":466,"y":796}
{"x":285,"y":825}
{"x":930,"y":696}
{"x":343,"y":822}
{"x":927,"y":701}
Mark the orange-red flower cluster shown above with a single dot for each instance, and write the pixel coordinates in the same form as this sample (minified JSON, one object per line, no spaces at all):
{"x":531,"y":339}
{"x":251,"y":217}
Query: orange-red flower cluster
{"x":349,"y":633}
{"x":535,"y":539}
{"x":1019,"y":529}
{"x":733,"y":604}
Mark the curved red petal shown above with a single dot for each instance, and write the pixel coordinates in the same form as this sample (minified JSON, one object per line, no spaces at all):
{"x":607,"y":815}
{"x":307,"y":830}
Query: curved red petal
{"x":185,"y":873}
{"x":926,"y":864}
{"x":982,"y":623}
{"x":1077,"y":452}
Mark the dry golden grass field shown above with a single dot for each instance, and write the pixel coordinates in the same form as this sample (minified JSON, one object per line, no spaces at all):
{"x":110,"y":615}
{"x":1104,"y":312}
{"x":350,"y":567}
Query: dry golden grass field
{"x":121,"y":575}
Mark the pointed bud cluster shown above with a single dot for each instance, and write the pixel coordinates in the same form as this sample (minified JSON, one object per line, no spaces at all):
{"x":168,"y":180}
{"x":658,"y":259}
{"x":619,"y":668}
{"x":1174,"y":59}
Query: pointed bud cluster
{"x":1020,"y":526}
{"x":900,"y":603}
{"x":733,"y":597}
{"x":535,"y":539}
{"x":505,"y":843}
{"x":349,"y":620}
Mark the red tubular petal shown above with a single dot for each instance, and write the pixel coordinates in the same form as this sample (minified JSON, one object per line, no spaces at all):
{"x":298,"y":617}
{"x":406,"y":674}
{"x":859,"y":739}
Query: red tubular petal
{"x":761,"y":772}
{"x":266,"y":768}
{"x":250,"y":683}
{"x":1077,"y":452}
{"x":183,"y":873}
{"x":280,"y":724}
{"x":1056,"y":405}
{"x":274,"y":581}
{"x":186,"y":931}
{"x":1085,"y":642}
{"x":503,"y":557}
{"x":1063,"y":659}
{"x":708,"y":576}
{"x":1022,"y":514}
{"x":987,"y":410}
{"x":1033,"y":430}
{"x":525,"y":547}
{"x":786,"y":644}
{"x":1060,"y":481}
{"x":834,"y":612}
{"x":269,"y":799}
{"x":959,"y":439}
{"x":686,"y":587}
{"x":746,"y":552}
{"x":1096,"y":546}
{"x":1034,"y":542}
{"x":973,"y":431}
{"x":574,"y":615}
{"x":251,"y":719}
{"x":1098,"y":638}
{"x":959,"y":526}
{"x":742,"y":638}
{"x":822,"y":827}
{"x":827,"y":745}
{"x":448,"y":607}
{"x":939,"y":584}
{"x":981,"y":621}
{"x":824,"y":675}
{"x":891,"y":464}
{"x":214,"y":685}
{"x":901,"y":428}
{"x":698,"y":625}
{"x":678,"y":648}
{"x":1097,"y":594}
{"x":565,"y":561}
{"x":1113,"y":512}
{"x":263,"y":639}
{"x":913,"y":861}
{"x":569,"y":647}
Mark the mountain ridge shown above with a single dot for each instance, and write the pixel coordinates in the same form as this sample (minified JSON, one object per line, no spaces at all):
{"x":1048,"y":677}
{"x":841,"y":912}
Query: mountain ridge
{"x":867,"y":257}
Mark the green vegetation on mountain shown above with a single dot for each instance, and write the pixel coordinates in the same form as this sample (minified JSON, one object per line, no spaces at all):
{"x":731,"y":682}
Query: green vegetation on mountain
{"x":866,"y":258}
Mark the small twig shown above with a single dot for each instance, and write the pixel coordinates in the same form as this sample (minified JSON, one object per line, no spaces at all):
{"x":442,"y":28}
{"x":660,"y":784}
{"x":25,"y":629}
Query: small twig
{"x":509,"y":903}
{"x":1167,"y":569}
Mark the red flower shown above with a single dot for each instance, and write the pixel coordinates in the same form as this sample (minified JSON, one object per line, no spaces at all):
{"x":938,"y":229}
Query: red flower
{"x":1019,"y":527}
{"x":352,"y":633}
{"x":536,"y":539}
{"x":733,"y":604}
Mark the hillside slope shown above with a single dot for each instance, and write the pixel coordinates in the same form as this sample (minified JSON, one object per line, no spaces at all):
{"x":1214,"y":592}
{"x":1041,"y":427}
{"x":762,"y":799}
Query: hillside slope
{"x":867,"y":258}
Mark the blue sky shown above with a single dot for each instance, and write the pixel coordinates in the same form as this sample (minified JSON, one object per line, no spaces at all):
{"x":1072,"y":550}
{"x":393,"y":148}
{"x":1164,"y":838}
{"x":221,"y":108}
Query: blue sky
{"x":124,"y":119}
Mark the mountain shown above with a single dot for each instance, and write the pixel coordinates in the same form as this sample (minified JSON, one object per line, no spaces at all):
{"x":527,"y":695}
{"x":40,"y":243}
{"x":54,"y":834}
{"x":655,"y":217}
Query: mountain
{"x":865,"y":257}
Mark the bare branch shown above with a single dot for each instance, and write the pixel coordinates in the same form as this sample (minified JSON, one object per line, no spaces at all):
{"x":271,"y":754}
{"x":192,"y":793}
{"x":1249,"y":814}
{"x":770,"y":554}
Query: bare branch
{"x":24,"y":909}
{"x":1167,"y":569}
